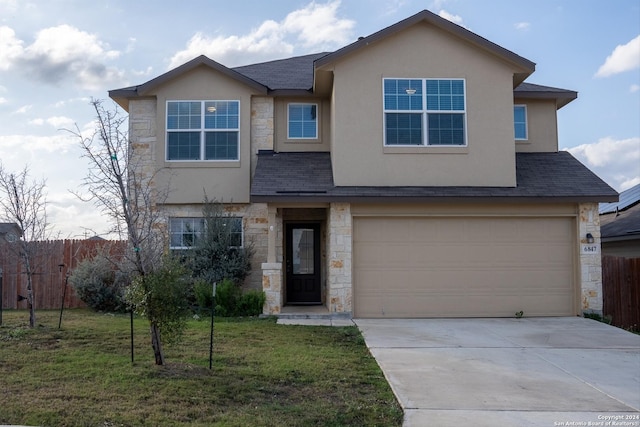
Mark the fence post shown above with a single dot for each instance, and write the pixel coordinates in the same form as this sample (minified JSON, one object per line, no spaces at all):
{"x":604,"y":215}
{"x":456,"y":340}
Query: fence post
{"x":1,"y":301}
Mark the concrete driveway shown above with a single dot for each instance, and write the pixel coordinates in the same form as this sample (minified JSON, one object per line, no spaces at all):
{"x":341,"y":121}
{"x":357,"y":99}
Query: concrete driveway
{"x":509,"y":372}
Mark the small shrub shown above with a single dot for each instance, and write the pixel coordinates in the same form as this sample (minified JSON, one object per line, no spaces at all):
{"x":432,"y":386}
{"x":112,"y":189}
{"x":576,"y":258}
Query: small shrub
{"x":227,"y":296}
{"x":251,"y":303}
{"x":230,"y":300}
{"x":162,"y":297}
{"x":99,"y":284}
{"x":202,"y":294}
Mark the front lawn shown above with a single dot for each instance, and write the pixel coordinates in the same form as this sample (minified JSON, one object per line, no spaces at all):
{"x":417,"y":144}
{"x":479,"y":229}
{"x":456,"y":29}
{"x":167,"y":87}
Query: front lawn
{"x":263,"y":374}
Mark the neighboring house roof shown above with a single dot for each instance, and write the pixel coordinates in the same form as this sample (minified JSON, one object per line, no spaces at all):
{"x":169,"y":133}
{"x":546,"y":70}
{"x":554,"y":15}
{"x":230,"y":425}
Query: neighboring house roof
{"x":621,"y":220}
{"x":10,"y":228}
{"x":628,"y":198}
{"x":624,"y":225}
{"x":533,"y":91}
{"x":526,"y":67}
{"x":540,"y":177}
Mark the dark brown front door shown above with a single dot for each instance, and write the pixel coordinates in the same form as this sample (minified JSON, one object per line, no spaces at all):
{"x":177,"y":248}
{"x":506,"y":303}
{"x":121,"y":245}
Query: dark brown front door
{"x":303,"y":264}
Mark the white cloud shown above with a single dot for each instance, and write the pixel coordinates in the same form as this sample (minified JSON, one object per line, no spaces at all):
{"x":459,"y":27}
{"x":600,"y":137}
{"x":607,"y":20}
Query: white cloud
{"x":3,"y":100}
{"x":59,"y":53}
{"x":456,"y":19}
{"x":634,"y":88}
{"x":392,"y":6}
{"x":623,"y":58}
{"x":15,"y":146}
{"x":522,"y":26}
{"x":617,"y":162}
{"x":60,"y":122}
{"x":10,"y":48}
{"x":23,"y":109}
{"x":316,"y":26}
{"x":36,"y":122}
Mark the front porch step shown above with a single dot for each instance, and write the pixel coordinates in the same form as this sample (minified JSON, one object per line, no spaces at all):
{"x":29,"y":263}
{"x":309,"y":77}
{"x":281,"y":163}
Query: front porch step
{"x":310,"y":315}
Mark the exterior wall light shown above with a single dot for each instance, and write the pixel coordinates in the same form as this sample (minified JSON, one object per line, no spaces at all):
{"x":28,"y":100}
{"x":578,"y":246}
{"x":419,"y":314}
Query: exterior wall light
{"x":590,"y":238}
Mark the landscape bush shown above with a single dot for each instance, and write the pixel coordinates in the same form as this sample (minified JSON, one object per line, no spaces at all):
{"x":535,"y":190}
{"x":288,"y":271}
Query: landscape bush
{"x":99,"y":284}
{"x":230,"y":300}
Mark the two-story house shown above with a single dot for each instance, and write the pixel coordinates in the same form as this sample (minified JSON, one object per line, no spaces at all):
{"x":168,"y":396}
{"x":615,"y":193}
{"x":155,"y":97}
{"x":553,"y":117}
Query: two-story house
{"x":412,"y":173}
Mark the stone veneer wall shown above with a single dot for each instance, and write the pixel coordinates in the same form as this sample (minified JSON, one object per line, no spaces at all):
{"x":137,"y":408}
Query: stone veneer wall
{"x":143,"y":137}
{"x":590,"y":263}
{"x":261,"y":127}
{"x":254,"y":224}
{"x":339,"y":278}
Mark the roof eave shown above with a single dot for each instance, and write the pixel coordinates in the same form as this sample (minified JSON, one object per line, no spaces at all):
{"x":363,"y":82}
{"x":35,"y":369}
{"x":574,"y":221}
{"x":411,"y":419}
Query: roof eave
{"x":121,"y":96}
{"x":328,"y":198}
{"x":626,"y":237}
{"x":291,"y":92}
{"x":201,"y":60}
{"x":562,"y":98}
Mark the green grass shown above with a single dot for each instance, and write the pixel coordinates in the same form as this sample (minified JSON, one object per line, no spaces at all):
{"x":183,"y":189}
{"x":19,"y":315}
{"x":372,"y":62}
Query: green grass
{"x":263,"y":374}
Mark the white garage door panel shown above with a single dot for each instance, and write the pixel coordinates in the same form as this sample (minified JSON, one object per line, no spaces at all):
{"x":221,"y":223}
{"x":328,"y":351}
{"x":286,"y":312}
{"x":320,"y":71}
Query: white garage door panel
{"x":463,"y":267}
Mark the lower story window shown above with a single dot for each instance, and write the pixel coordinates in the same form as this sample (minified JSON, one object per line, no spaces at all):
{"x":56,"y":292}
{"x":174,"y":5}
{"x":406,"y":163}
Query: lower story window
{"x":184,"y":233}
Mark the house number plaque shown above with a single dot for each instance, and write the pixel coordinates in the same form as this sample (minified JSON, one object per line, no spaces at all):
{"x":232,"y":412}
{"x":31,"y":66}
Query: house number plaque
{"x":590,"y":248}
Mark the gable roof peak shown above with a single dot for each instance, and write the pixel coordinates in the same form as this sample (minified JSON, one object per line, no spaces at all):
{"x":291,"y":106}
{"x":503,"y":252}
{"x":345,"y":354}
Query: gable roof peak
{"x":526,"y":67}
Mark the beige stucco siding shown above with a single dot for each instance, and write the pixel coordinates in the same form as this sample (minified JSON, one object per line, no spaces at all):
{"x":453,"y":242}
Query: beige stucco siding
{"x":284,"y":143}
{"x":358,"y":154}
{"x":542,"y":127}
{"x":223,"y":180}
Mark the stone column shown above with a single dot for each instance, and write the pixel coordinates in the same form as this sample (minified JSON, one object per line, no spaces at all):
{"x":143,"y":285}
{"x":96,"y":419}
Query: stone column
{"x":590,"y":262}
{"x":272,"y":287}
{"x":339,"y":260}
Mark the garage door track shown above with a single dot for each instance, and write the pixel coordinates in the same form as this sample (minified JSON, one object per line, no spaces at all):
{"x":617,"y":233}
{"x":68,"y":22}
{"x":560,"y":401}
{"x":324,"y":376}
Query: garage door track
{"x":509,"y":372}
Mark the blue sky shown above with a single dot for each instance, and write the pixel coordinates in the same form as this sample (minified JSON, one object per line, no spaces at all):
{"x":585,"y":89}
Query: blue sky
{"x":56,"y":55}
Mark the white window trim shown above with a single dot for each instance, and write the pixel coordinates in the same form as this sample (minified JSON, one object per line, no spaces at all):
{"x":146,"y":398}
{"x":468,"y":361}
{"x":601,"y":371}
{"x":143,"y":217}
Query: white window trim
{"x":202,"y":130}
{"x":317,"y":137}
{"x":173,"y":248}
{"x":526,"y":123}
{"x":425,"y":114}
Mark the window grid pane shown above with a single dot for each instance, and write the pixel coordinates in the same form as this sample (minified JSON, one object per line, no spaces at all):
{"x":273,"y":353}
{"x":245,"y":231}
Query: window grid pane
{"x":445,"y":95}
{"x":186,"y":136}
{"x":183,"y":146}
{"x":520,"y":121}
{"x":221,"y":114}
{"x":403,"y":94}
{"x":303,"y":122}
{"x":446,"y":129}
{"x":404,"y":129}
{"x":183,"y":115}
{"x":221,"y":146}
{"x":185,"y":232}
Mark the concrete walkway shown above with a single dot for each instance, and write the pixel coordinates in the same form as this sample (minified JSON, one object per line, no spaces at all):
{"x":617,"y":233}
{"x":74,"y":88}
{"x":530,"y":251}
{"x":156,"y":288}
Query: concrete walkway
{"x":509,"y":372}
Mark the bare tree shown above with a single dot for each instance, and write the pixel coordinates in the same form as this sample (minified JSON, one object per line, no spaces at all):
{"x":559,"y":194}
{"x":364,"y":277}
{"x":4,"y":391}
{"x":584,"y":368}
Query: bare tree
{"x":118,"y":183}
{"x":24,"y":203}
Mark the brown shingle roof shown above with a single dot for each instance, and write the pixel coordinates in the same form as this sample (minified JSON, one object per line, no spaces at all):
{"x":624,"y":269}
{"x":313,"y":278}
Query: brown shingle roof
{"x":540,"y":177}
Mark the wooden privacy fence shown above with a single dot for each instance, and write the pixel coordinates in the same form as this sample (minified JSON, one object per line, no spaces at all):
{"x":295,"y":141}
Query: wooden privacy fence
{"x":621,"y":291}
{"x":49,"y":278}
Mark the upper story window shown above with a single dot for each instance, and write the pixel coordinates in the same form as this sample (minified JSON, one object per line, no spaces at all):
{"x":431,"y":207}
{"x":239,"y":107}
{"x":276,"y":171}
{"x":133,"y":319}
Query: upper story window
{"x":520,"y":121}
{"x":185,"y":232}
{"x":302,"y":121}
{"x":203,"y":130}
{"x":421,"y":112}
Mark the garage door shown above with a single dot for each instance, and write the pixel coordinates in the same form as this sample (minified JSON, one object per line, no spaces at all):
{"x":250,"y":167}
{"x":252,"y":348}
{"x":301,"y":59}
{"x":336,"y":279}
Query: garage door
{"x":463,"y":267}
